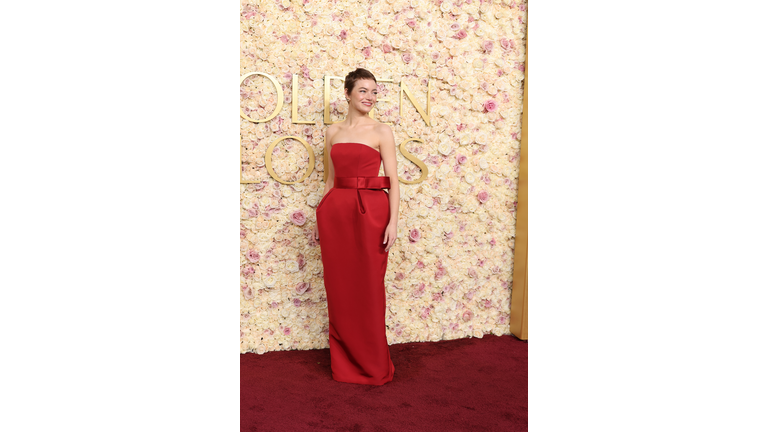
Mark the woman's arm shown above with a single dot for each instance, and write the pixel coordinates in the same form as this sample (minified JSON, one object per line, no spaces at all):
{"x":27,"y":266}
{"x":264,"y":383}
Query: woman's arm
{"x":331,"y":173}
{"x":329,"y":168}
{"x":389,"y":156}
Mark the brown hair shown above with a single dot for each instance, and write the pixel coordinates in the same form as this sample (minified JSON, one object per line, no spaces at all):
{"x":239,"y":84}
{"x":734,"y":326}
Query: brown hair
{"x":354,"y":76}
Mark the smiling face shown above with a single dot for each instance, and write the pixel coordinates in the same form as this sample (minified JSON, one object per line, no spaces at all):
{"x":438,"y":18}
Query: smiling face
{"x":363,"y":95}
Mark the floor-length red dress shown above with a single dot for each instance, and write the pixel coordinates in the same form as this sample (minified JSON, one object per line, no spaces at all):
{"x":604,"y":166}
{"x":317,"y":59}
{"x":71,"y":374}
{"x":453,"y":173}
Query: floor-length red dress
{"x":351,"y":219}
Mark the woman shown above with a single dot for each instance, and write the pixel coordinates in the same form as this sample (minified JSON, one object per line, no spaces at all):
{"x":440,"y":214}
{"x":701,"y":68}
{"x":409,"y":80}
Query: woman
{"x":356,"y":227}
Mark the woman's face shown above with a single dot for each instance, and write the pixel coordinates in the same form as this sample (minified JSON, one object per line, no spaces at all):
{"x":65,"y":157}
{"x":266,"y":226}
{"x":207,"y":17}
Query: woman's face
{"x":363,"y":96}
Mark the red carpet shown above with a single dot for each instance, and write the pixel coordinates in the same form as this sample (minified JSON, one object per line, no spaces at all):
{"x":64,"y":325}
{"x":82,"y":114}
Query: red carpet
{"x":457,"y":385}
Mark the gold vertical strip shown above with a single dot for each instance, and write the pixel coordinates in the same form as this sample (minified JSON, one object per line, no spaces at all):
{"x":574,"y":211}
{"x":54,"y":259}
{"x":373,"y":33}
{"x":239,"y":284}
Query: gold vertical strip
{"x":518,"y":316}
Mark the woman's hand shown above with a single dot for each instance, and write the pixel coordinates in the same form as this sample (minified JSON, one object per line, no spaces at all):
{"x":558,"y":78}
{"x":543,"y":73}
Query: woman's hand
{"x":390,"y":235}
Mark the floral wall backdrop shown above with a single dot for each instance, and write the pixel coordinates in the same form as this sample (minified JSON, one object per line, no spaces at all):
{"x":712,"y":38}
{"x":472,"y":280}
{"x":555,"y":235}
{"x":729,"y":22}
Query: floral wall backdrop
{"x":450,"y":272}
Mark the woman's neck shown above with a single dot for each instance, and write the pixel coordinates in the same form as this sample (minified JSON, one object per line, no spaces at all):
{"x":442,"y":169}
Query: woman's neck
{"x":356,"y":118}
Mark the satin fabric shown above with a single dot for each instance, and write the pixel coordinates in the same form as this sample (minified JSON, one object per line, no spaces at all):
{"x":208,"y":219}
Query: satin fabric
{"x":351,"y":222}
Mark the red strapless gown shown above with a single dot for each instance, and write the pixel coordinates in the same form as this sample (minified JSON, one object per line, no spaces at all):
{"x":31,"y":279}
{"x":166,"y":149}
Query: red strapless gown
{"x":351,"y":219}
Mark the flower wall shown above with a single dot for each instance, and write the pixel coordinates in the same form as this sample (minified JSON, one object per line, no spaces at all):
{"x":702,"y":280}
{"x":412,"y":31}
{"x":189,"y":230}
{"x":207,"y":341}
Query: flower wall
{"x":450,"y":272}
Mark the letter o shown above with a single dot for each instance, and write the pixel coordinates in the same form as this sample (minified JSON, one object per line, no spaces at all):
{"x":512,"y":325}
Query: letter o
{"x":268,"y":159}
{"x":279,"y":97}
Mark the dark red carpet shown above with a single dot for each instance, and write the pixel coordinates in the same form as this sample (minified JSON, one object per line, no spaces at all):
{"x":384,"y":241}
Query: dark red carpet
{"x":457,"y":385}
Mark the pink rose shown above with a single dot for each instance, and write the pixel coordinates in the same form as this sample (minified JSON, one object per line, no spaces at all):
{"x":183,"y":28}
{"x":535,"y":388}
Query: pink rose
{"x":491,"y":105}
{"x":287,"y":331}
{"x":469,"y":294}
{"x":461,"y":159}
{"x":367,"y":52}
{"x":425,"y":312}
{"x":247,"y":292}
{"x":247,"y":271}
{"x":407,"y":57}
{"x":486,"y":303}
{"x":435,"y":56}
{"x":467,"y":316}
{"x":487,"y":46}
{"x":440,"y":273}
{"x":387,"y":48}
{"x":448,"y":289}
{"x":420,"y":265}
{"x":296,"y":302}
{"x":298,"y":217}
{"x":414,"y":235}
{"x":461,"y":34}
{"x":455,"y":27}
{"x":482,"y":196}
{"x":399,"y":276}
{"x":411,"y":23}
{"x":242,"y":233}
{"x":506,"y":44}
{"x":343,"y":35}
{"x":302,"y":287}
{"x":472,"y":272}
{"x":252,"y":255}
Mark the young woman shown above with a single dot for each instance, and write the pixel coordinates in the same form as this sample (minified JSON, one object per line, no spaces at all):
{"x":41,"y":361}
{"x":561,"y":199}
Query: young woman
{"x":356,"y":227}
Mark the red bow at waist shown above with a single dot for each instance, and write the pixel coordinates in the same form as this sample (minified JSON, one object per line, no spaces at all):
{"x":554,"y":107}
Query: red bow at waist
{"x":361,"y":182}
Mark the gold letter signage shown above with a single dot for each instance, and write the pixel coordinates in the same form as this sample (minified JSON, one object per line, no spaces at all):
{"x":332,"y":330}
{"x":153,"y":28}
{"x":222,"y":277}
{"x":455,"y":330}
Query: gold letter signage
{"x":279,"y":97}
{"x":425,"y":115}
{"x":268,"y":157}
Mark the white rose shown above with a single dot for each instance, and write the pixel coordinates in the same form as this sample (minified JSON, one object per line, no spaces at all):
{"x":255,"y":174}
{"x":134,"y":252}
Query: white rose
{"x":444,"y":148}
{"x":312,"y":200}
{"x":469,"y":178}
{"x":269,"y":282}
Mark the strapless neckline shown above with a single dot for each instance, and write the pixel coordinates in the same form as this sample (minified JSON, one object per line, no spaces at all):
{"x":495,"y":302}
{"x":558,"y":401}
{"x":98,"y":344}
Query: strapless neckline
{"x":364,"y":145}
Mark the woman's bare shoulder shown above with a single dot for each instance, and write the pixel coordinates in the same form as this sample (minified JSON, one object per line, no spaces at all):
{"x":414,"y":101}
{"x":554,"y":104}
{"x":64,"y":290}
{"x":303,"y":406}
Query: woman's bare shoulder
{"x":330,"y":131}
{"x":382,"y":128}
